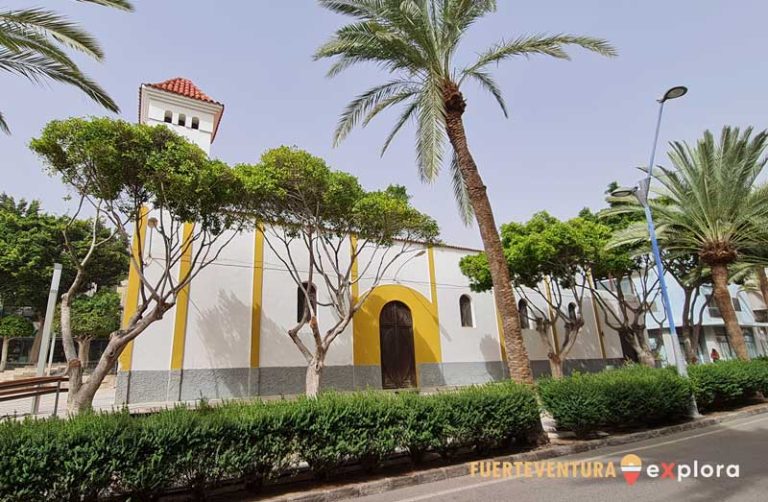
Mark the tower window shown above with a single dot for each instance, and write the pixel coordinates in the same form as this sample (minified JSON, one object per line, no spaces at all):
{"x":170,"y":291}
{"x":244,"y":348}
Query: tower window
{"x":182,"y":120}
{"x":168,"y":116}
{"x":465,"y":309}
{"x":195,"y":123}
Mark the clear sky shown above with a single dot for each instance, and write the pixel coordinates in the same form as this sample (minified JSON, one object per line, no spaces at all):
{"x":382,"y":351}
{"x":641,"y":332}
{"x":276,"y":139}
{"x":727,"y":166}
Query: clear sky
{"x":574,"y":126}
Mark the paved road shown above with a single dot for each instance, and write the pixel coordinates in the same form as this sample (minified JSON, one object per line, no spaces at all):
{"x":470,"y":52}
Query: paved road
{"x":743,"y":442}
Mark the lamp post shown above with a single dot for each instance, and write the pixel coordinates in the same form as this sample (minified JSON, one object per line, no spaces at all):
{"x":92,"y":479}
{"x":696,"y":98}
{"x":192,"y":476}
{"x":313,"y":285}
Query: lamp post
{"x":641,"y":193}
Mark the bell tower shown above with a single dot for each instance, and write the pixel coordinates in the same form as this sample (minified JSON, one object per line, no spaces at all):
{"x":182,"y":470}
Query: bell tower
{"x":182,"y":106}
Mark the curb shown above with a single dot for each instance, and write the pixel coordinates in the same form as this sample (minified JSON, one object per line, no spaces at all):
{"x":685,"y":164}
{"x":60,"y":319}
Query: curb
{"x":454,"y":471}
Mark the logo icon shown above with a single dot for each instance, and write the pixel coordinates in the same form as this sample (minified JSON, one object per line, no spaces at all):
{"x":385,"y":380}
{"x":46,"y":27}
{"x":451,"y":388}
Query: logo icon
{"x":631,"y":465}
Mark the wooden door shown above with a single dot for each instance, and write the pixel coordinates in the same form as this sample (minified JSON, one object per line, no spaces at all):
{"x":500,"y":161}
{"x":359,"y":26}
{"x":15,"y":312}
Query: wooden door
{"x":398,"y":362}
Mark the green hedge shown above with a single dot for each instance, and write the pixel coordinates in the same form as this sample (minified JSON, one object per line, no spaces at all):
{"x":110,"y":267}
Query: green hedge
{"x":633,"y":396}
{"x":728,"y":383}
{"x":141,"y":457}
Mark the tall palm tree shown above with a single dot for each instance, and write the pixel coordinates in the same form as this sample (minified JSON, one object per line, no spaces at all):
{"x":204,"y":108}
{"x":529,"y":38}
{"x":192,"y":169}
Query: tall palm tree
{"x":32,"y":43}
{"x":416,"y":42}
{"x":714,"y":206}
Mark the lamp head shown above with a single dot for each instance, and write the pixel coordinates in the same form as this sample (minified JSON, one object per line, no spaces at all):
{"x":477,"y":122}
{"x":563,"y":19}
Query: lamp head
{"x":673,"y":93}
{"x":624,"y":192}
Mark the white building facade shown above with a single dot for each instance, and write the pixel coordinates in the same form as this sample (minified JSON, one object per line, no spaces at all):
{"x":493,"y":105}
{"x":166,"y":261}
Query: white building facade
{"x":227,"y":337}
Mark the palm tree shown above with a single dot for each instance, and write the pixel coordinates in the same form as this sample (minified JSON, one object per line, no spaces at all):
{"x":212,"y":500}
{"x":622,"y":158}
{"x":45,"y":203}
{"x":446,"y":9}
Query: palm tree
{"x":416,"y":42}
{"x":714,"y":207}
{"x":32,"y":43}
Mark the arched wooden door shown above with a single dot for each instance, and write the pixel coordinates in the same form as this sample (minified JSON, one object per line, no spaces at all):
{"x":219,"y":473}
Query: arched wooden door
{"x":398,"y":362}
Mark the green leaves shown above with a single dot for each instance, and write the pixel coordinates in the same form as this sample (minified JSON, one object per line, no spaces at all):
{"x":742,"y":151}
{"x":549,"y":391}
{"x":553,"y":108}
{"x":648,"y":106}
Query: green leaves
{"x":31,"y":241}
{"x":293,"y":188}
{"x":14,"y":326}
{"x":547,"y":247}
{"x":128,"y":166}
{"x":94,"y":316}
{"x":141,"y":457}
{"x":634,"y":396}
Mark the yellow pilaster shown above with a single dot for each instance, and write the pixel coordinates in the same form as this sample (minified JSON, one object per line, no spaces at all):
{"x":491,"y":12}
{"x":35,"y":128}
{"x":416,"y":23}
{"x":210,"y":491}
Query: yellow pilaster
{"x":134,"y":286}
{"x":182,"y":300}
{"x":258,"y":285}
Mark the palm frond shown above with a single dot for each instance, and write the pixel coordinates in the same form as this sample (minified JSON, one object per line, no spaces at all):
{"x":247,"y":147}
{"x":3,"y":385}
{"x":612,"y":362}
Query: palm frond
{"x":460,"y":193}
{"x":367,"y":104}
{"x":430,"y":133}
{"x":3,"y":125}
{"x":489,"y":84}
{"x":526,"y":46}
{"x":116,"y":4}
{"x":406,"y":115}
{"x":50,"y":24}
{"x":37,"y":67}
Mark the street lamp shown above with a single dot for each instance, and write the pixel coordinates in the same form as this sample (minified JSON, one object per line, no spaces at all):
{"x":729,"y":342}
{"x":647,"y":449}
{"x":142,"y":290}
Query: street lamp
{"x":641,"y":193}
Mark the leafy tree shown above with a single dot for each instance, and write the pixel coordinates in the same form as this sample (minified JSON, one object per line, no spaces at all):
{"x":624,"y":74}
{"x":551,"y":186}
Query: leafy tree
{"x":132,"y":175}
{"x":13,"y":326}
{"x":32,"y":43}
{"x":328,"y":217}
{"x":550,"y":262}
{"x":31,"y":241}
{"x":713,"y":207}
{"x":416,"y":41}
{"x":93,"y":316}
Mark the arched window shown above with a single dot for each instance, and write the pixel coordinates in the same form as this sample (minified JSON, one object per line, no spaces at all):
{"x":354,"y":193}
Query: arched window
{"x":195,"y":123}
{"x":182,"y":120}
{"x":168,"y":116}
{"x":572,"y":313}
{"x":465,"y":309}
{"x":522,"y":309}
{"x":302,"y":310}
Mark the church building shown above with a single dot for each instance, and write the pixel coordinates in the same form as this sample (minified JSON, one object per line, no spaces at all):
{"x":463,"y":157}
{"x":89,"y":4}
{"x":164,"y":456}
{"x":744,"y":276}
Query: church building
{"x":227,"y":338}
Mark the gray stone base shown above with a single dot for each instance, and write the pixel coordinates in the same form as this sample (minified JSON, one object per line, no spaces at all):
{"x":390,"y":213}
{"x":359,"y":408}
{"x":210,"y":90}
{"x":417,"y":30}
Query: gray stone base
{"x":229,"y":383}
{"x":541,"y":368}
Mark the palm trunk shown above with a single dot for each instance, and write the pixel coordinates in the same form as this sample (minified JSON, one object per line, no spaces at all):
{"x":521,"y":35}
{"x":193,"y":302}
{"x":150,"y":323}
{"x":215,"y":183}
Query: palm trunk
{"x":723,"y":301}
{"x":687,"y":328}
{"x":517,"y":355}
{"x":4,"y":359}
{"x":762,"y":279}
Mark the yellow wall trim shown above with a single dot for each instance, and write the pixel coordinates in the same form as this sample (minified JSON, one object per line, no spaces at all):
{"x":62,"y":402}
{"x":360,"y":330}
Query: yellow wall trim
{"x":258,"y":288}
{"x":182,"y":300}
{"x":134,"y":286}
{"x":426,"y":330}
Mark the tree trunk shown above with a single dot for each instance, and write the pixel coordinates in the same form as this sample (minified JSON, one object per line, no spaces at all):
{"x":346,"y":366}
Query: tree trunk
{"x":762,"y":279}
{"x":83,"y":351}
{"x":555,"y":365}
{"x":34,"y":351}
{"x":636,"y":339}
{"x":722,"y":299}
{"x":4,"y":359}
{"x":517,"y":355}
{"x":687,"y":327}
{"x":314,"y":371}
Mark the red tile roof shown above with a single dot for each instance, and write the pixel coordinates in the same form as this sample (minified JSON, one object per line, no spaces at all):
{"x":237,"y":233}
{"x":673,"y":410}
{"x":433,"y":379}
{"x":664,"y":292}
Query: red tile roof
{"x":184,"y":87}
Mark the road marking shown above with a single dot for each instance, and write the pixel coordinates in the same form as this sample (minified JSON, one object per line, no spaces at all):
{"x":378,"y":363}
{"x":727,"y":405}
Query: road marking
{"x":590,"y":459}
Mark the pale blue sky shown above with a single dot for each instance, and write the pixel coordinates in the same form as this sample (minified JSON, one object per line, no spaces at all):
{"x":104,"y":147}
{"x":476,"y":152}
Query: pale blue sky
{"x":574,"y":126}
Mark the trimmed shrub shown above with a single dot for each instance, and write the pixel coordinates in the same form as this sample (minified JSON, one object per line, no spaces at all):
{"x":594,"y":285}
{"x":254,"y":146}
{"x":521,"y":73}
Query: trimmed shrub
{"x":140,"y":458}
{"x":633,"y":396}
{"x":725,"y":384}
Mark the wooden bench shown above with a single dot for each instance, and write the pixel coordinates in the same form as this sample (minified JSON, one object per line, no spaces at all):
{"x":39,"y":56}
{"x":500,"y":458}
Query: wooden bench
{"x":33,"y":387}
